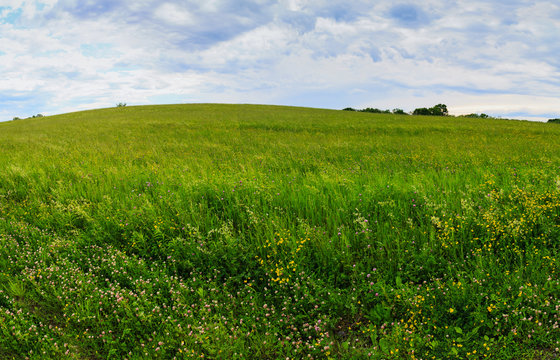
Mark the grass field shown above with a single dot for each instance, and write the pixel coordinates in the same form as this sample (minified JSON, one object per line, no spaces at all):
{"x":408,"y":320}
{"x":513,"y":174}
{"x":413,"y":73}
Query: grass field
{"x":261,"y":232}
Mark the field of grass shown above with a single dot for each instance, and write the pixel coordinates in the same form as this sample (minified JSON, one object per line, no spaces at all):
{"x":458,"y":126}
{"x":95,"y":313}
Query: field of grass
{"x":261,"y":232}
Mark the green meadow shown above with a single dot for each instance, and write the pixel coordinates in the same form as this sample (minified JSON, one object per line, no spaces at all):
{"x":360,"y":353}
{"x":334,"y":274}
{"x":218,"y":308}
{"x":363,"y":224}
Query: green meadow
{"x":263,"y":232}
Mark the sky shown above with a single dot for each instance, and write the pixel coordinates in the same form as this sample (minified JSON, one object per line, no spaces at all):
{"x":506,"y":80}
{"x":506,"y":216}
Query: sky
{"x":476,"y":56}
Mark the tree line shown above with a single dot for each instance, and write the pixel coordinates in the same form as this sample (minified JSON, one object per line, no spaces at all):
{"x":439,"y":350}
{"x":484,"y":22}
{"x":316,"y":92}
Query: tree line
{"x":31,"y":117}
{"x":436,"y":110}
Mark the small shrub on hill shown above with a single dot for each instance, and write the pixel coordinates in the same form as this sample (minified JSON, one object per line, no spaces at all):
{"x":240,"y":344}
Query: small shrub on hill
{"x":477,"y":116}
{"x":375,"y":111}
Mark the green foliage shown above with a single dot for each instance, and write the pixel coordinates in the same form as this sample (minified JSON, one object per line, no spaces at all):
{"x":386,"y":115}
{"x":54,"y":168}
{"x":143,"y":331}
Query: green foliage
{"x":437,"y":110}
{"x":32,"y":117}
{"x":422,"y":111}
{"x":477,"y":116}
{"x":375,"y":111}
{"x":440,"y":110}
{"x":234,"y":232}
{"x":553,"y":120}
{"x":121,"y":104}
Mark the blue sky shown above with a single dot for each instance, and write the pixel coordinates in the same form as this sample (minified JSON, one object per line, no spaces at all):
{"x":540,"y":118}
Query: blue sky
{"x":496,"y":57}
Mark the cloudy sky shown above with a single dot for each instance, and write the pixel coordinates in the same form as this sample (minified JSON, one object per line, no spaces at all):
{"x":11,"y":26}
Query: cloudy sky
{"x":492,"y":56}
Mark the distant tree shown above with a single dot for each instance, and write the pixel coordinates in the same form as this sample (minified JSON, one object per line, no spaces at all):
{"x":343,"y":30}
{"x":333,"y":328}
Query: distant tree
{"x":478,"y":116}
{"x":379,"y":111}
{"x":375,"y":111}
{"x":437,"y":110}
{"x":371,"y":110}
{"x":422,"y":111}
{"x":557,"y":121}
{"x":16,"y":118}
{"x":37,"y":116}
{"x":121,"y":104}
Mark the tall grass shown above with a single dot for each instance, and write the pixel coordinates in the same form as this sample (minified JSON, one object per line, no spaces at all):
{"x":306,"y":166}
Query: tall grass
{"x":236,"y":231}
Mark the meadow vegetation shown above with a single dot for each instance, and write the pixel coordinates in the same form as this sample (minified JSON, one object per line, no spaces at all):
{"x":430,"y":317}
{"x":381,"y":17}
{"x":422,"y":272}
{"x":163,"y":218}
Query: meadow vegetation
{"x":262,"y":232}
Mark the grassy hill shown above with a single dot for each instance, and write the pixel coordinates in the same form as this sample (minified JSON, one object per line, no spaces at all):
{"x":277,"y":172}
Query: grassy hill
{"x":243,"y":231}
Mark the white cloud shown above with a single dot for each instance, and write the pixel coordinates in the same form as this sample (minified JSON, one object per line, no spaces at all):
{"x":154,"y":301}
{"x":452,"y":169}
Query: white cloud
{"x":13,"y":3}
{"x":174,"y":14}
